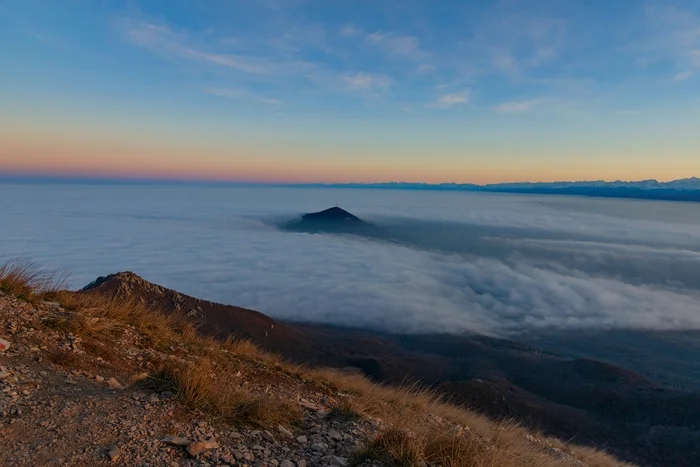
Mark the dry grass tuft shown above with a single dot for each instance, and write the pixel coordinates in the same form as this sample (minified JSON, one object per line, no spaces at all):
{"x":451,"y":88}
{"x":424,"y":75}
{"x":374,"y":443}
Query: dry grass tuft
{"x":400,"y":447}
{"x":204,"y":386}
{"x":449,"y":448}
{"x":92,"y":315}
{"x":460,"y":451}
{"x":242,"y":348}
{"x":26,"y":281}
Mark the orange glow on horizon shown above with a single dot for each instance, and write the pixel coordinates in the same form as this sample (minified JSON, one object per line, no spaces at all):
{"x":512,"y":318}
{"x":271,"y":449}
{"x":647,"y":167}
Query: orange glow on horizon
{"x":65,"y":157}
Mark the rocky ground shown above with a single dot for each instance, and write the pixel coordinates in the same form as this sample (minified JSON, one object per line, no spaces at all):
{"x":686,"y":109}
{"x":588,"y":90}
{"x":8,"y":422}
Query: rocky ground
{"x":66,"y":402}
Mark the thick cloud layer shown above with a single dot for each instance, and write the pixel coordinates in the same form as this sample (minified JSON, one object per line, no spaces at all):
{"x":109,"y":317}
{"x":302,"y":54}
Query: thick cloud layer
{"x":488,"y":263}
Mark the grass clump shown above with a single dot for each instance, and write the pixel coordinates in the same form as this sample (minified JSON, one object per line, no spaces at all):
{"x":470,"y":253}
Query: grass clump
{"x":399,"y":447}
{"x":461,"y":451}
{"x":92,"y":315}
{"x":203,"y":385}
{"x":22,"y":279}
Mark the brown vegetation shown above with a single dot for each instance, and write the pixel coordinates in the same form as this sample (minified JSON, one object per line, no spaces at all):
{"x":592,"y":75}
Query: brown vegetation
{"x":203,"y":385}
{"x":25,"y":281}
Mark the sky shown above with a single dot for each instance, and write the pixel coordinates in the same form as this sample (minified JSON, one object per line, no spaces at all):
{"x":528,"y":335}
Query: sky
{"x":351,"y":91}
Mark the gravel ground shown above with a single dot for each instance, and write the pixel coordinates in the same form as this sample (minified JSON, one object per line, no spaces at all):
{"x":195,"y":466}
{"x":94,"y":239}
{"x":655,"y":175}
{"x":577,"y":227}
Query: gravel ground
{"x":62,"y":404}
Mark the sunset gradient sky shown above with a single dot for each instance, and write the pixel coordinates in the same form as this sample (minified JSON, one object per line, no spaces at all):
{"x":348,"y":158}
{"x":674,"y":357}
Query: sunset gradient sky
{"x":339,"y":90}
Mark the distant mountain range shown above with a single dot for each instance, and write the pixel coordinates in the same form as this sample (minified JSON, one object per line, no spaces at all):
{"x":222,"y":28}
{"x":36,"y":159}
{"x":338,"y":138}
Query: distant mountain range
{"x":686,"y":189}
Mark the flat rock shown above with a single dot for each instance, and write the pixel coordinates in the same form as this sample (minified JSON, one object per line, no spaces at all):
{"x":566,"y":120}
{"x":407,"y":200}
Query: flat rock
{"x":175,"y":441}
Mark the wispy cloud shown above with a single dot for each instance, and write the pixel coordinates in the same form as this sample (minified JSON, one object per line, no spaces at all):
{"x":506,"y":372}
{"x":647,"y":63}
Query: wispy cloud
{"x":683,"y":76}
{"x":161,"y":39}
{"x":519,"y":51}
{"x":350,"y":30}
{"x":448,"y":101}
{"x":695,"y":57}
{"x":547,"y":38}
{"x":47,"y":40}
{"x":518,"y":106}
{"x":397,"y":45}
{"x":506,"y":63}
{"x":675,"y":36}
{"x":281,"y":63}
{"x":365,"y":81}
{"x":514,"y":43}
{"x":242,"y":94}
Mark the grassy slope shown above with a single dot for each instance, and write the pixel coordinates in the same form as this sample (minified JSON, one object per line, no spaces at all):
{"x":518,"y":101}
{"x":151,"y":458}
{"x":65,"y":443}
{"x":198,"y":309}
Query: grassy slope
{"x":419,"y":426}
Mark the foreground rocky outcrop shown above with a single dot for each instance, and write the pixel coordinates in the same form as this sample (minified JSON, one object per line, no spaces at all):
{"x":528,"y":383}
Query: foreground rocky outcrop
{"x":90,"y":380}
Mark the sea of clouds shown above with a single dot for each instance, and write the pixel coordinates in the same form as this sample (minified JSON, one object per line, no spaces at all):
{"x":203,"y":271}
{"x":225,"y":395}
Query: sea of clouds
{"x":459,"y":262}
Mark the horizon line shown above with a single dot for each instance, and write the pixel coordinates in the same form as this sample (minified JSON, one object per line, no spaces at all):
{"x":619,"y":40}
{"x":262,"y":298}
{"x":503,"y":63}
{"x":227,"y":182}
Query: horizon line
{"x":117,"y":179}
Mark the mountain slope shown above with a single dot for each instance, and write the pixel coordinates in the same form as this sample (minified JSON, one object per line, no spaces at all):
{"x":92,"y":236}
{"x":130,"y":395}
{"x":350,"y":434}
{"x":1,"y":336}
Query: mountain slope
{"x":93,"y":380}
{"x":594,"y":402}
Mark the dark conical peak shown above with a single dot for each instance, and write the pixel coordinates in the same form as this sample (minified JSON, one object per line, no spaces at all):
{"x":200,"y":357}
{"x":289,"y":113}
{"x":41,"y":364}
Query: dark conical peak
{"x":332,"y":214}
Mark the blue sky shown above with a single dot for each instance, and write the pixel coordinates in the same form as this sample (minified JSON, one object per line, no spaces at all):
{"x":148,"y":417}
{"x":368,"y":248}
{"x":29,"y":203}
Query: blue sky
{"x":443,"y":90}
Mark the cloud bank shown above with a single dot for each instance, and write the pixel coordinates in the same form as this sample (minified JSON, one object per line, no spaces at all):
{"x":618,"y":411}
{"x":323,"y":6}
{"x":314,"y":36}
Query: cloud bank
{"x":455,"y":262}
